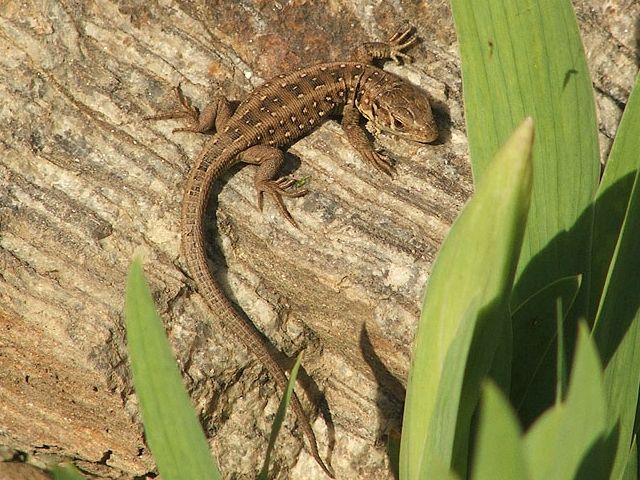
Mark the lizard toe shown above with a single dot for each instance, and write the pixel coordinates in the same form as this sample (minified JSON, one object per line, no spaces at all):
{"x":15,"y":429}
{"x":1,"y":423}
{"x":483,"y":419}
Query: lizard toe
{"x":277,"y":189}
{"x":382,"y":162}
{"x":188,"y":112}
{"x":400,"y":57}
{"x":403,"y":39}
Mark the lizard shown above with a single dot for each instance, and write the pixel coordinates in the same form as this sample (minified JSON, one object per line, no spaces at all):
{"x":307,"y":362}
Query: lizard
{"x":257,"y":130}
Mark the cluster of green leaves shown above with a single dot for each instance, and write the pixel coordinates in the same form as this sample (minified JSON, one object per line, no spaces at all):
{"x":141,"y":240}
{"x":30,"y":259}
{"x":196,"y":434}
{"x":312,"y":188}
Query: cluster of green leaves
{"x":544,"y":250}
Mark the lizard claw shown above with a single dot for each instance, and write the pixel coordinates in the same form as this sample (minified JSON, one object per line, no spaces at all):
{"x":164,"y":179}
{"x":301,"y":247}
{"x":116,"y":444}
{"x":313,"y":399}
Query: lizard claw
{"x":381,"y":162}
{"x":401,"y":40}
{"x":276,"y":189}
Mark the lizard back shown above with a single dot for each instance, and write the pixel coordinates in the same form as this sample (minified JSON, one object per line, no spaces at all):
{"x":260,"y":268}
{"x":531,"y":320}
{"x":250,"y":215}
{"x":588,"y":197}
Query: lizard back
{"x":290,"y":106}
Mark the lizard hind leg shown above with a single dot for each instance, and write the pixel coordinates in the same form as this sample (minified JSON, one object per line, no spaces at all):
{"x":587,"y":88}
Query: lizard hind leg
{"x":266,"y":180}
{"x":211,"y":119}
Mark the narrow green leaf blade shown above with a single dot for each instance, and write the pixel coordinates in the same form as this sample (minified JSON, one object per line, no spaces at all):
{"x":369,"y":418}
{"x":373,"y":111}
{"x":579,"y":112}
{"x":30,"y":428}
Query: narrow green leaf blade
{"x":586,"y":411}
{"x":452,"y":398}
{"x":613,"y":197}
{"x":613,"y":305}
{"x":540,"y":442}
{"x":474,"y":268}
{"x":280,"y":414}
{"x":561,"y":373}
{"x":561,"y":440}
{"x":522,"y":58}
{"x":630,"y":471}
{"x":617,"y":329}
{"x":499,"y":448}
{"x":173,"y":432}
{"x":535,"y":358}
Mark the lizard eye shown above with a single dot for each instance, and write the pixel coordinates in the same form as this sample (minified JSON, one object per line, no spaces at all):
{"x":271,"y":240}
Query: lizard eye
{"x":397,"y":124}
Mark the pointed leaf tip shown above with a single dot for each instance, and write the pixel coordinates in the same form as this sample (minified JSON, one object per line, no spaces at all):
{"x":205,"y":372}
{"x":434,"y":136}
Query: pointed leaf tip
{"x":522,"y":137}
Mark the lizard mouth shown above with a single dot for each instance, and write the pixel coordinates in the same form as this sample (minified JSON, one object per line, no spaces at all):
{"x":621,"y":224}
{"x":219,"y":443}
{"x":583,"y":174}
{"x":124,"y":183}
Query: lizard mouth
{"x":424,"y":135}
{"x":430,"y":135}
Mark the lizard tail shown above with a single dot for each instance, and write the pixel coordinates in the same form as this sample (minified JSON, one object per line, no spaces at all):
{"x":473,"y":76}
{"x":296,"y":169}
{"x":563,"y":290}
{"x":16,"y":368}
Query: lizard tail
{"x":207,"y":169}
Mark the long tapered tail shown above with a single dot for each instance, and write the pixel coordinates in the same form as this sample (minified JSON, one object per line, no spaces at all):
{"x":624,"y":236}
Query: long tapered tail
{"x":207,"y":169}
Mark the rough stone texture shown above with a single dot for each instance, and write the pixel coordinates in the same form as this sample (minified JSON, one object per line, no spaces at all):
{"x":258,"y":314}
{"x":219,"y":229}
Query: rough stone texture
{"x":85,"y":183}
{"x":21,"y":471}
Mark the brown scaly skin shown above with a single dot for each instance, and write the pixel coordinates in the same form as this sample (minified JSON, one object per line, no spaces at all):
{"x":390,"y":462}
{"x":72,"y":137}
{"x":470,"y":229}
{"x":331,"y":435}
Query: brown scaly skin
{"x":275,"y":115}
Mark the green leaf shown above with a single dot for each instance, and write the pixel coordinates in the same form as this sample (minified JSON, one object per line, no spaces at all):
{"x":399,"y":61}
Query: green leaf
{"x":535,"y":335}
{"x":540,"y":441}
{"x":598,"y":461}
{"x":452,"y":398}
{"x":66,"y":471}
{"x":631,"y":463}
{"x":280,"y":414}
{"x":617,"y":329}
{"x":471,"y":279}
{"x":614,"y":304}
{"x":441,"y":472}
{"x":523,"y":58}
{"x":499,"y":449}
{"x":561,"y":372}
{"x":172,"y":430}
{"x":562,"y":439}
{"x":612,"y":198}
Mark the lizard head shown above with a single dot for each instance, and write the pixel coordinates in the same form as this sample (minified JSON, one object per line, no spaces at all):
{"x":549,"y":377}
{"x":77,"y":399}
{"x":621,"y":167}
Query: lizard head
{"x":399,"y":108}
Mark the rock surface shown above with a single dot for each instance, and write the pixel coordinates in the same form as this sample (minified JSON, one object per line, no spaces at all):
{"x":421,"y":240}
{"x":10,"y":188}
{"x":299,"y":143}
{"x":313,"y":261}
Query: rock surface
{"x":85,"y":183}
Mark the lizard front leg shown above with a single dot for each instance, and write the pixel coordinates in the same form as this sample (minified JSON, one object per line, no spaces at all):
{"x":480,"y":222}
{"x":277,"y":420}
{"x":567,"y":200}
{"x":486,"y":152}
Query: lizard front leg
{"x":393,"y":49}
{"x":266,"y":180}
{"x":210,"y":120}
{"x":359,"y":140}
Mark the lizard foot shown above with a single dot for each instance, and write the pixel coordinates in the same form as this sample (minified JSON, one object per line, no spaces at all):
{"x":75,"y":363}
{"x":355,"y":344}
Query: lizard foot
{"x":381,"y":162}
{"x":188,"y":111}
{"x":276,"y":189}
{"x":400,"y":41}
